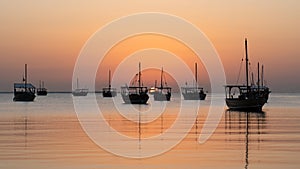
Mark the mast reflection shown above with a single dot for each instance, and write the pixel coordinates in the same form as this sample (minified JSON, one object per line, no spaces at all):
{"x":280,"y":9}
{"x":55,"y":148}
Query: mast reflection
{"x":247,"y":123}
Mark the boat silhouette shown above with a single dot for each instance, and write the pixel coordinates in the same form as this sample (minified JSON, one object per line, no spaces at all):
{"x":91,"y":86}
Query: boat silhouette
{"x":249,"y":97}
{"x":80,"y":91}
{"x":162,"y":93}
{"x":109,"y":91}
{"x":193,"y":92}
{"x":41,"y":91}
{"x":24,"y":91}
{"x":135,"y":94}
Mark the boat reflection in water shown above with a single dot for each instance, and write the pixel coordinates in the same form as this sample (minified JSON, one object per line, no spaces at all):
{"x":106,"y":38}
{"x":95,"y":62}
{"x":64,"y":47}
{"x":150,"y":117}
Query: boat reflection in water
{"x":245,"y":123}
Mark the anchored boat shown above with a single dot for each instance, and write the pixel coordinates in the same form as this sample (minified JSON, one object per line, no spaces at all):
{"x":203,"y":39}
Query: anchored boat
{"x":80,"y":91}
{"x":135,"y":94}
{"x":41,"y":91}
{"x":109,"y":91}
{"x":162,"y":93}
{"x":193,"y":92}
{"x":247,"y":97}
{"x":24,"y":91}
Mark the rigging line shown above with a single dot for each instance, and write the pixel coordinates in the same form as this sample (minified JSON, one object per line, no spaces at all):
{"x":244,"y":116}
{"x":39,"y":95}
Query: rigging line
{"x":240,"y":69}
{"x":134,"y":80}
{"x":165,"y":80}
{"x":250,"y":73}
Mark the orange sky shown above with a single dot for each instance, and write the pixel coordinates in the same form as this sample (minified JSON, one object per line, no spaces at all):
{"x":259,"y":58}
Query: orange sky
{"x":48,"y":36}
{"x":150,"y":41}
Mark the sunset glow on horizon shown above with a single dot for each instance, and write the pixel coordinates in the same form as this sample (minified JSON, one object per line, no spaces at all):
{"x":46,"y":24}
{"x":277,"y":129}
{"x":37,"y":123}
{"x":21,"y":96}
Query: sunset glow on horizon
{"x":49,"y":35}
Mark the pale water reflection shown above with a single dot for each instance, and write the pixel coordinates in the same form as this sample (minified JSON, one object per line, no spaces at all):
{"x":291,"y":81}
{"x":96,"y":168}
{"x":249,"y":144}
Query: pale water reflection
{"x":47,"y":134}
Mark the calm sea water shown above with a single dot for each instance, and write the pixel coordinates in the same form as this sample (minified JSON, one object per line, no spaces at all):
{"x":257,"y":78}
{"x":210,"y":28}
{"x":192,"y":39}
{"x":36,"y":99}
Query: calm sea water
{"x":46,"y":133}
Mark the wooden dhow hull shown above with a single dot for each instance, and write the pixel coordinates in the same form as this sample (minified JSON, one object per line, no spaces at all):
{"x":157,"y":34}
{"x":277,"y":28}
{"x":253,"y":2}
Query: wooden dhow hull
{"x":245,"y":104}
{"x":109,"y":93}
{"x":24,"y":96}
{"x":162,"y":96}
{"x":135,"y":98}
{"x":194,"y":96}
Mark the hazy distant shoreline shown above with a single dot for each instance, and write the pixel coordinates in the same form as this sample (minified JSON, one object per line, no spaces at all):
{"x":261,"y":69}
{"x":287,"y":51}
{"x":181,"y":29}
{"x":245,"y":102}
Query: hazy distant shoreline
{"x":8,"y":92}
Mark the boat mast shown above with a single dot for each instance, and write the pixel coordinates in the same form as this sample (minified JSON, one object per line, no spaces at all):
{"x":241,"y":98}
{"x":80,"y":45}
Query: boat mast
{"x":252,"y":79}
{"x":196,"y":74}
{"x":109,"y":83}
{"x":246,"y":50}
{"x":25,"y":77}
{"x":262,"y":75}
{"x":258,"y":80}
{"x":139,"y":80}
{"x":161,"y":78}
{"x":77,"y":83}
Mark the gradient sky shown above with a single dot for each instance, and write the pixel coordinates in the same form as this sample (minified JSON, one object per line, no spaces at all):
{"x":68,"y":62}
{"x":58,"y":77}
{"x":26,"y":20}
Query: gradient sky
{"x":49,"y":34}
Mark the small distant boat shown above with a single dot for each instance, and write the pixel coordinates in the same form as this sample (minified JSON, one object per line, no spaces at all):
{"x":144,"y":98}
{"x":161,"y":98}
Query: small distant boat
{"x":41,"y":91}
{"x":152,"y":90}
{"x":109,"y":91}
{"x":162,"y":93}
{"x":24,"y":91}
{"x":249,"y":97}
{"x":135,"y":94}
{"x":193,"y":92}
{"x":80,"y":91}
